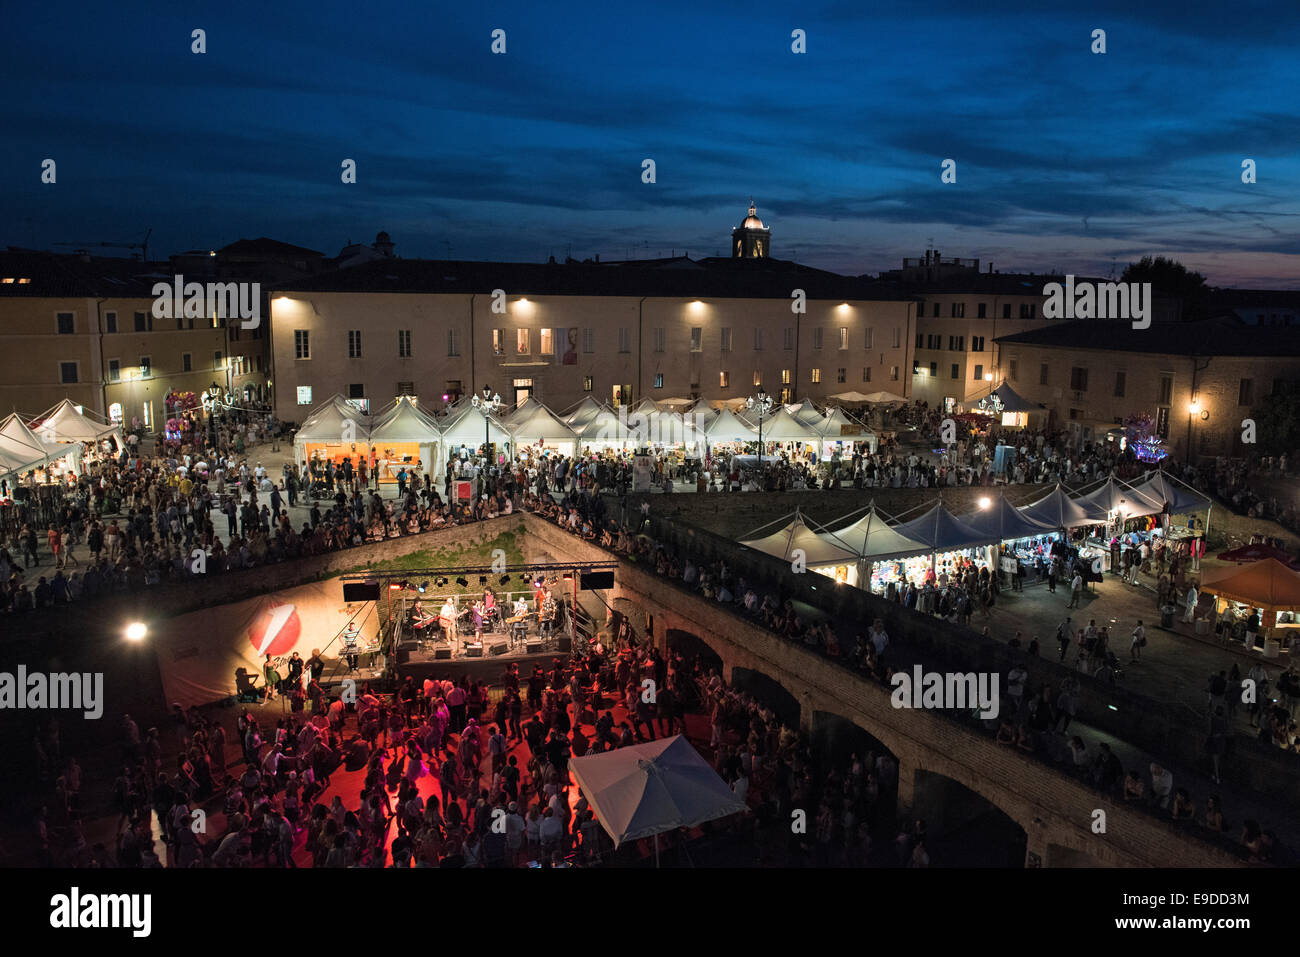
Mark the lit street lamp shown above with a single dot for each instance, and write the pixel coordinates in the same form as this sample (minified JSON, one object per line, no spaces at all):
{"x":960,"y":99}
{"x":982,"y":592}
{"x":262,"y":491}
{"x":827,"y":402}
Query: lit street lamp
{"x":1192,"y":408}
{"x":762,"y":405}
{"x":489,"y":404}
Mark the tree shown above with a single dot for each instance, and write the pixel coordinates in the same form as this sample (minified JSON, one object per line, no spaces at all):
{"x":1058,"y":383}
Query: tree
{"x":1277,"y":423}
{"x":1171,"y":279}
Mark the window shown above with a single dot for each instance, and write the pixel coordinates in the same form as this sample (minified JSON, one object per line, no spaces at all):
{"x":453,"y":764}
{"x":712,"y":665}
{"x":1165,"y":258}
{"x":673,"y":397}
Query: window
{"x":724,"y":380}
{"x":785,"y":376}
{"x":697,"y":335}
{"x":1166,"y":389}
{"x":979,"y":372}
{"x":143,"y":322}
{"x":404,"y":345}
{"x":1162,"y":421}
{"x":956,"y":343}
{"x":67,"y":324}
{"x":1028,"y":310}
{"x":1245,"y":393}
{"x":934,"y":342}
{"x":840,"y":376}
{"x":1006,"y":310}
{"x":956,"y":371}
{"x":1013,"y":369}
{"x":522,"y":345}
{"x":1042,"y":374}
{"x":816,"y":376}
{"x":866,"y":373}
{"x":787,"y":396}
{"x":916,"y":367}
{"x":936,"y":311}
{"x":726,"y":340}
{"x":146,"y":367}
{"x":981,"y":310}
{"x":817,"y":338}
{"x":301,"y":344}
{"x":588,"y":340}
{"x":893,"y":373}
{"x":498,"y":342}
{"x":958,"y":310}
{"x":758,"y":379}
{"x":934,"y":370}
{"x":868,"y":338}
{"x":406,"y":388}
{"x":920,"y":340}
{"x":357,"y":390}
{"x":624,"y":339}
{"x":758,"y":340}
{"x":659,"y":380}
{"x":110,"y":322}
{"x":1079,"y":379}
{"x":586,"y":383}
{"x":787,"y":339}
{"x":976,"y":343}
{"x":546,"y":342}
{"x":453,"y":343}
{"x":659,"y":339}
{"x":844,"y":337}
{"x":114,"y":370}
{"x":180,"y":323}
{"x":1119,"y":384}
{"x":187,"y":362}
{"x":920,"y":308}
{"x":354,"y":343}
{"x":67,"y":372}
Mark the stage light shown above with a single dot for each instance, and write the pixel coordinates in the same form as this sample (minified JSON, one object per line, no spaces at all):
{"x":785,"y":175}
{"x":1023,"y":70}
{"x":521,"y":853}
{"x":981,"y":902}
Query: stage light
{"x":424,"y":586}
{"x":440,"y":581}
{"x":462,"y":581}
{"x":136,"y":631}
{"x":482,"y":579}
{"x":395,"y":587}
{"x":505,"y":580}
{"x":985,"y":501}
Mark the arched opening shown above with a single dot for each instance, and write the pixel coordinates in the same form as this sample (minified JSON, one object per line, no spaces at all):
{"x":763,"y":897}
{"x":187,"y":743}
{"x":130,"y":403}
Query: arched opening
{"x":963,"y":828}
{"x":768,"y":692}
{"x":837,"y":742}
{"x":694,"y":649}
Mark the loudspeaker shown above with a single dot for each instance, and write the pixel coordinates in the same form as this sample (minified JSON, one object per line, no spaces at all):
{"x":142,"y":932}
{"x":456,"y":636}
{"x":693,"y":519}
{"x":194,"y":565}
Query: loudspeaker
{"x":474,"y":650}
{"x":532,"y":645}
{"x":360,"y":591}
{"x":403,"y":656}
{"x":441,"y":653}
{"x":564,"y":643}
{"x":596,"y":580}
{"x":498,"y":646}
{"x":408,"y":644}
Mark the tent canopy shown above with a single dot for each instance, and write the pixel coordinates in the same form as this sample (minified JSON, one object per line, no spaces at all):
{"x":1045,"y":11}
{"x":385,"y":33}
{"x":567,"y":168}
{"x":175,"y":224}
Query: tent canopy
{"x":468,"y":428}
{"x":64,"y":423}
{"x":942,"y":531}
{"x":727,"y":427}
{"x":1012,"y":401}
{"x":832,"y":424}
{"x":1266,"y":584}
{"x":806,"y":412}
{"x":1114,"y":496}
{"x":1006,"y":521}
{"x":784,"y":427}
{"x":875,"y":540}
{"x":877,"y":397}
{"x":582,"y":413}
{"x":404,"y":422}
{"x":606,"y":427}
{"x":330,"y":423}
{"x":1058,"y":510}
{"x":818,"y":548}
{"x":534,"y":421}
{"x":646,"y":789}
{"x":1161,"y":487}
{"x":1258,"y":551}
{"x":21,"y":449}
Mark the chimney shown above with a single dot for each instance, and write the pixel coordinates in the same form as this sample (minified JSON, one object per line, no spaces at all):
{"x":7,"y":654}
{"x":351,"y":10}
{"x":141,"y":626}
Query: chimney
{"x":597,"y":257}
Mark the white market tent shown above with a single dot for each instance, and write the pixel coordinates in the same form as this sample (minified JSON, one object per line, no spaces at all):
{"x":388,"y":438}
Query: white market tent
{"x":582,"y":413}
{"x":22,"y":450}
{"x":65,"y":423}
{"x":647,"y":789}
{"x":1005,"y":521}
{"x":882,"y":397}
{"x":942,"y":531}
{"x":606,"y":430}
{"x":820,"y":549}
{"x":403,"y":423}
{"x":703,"y":415}
{"x":669,"y":428}
{"x":535,"y":424}
{"x":838,"y":426}
{"x":806,"y":412}
{"x":644,"y":407}
{"x":1058,"y":510}
{"x":728,"y":427}
{"x":1114,"y":496}
{"x":784,"y":427}
{"x":875,"y":540}
{"x":468,"y":428}
{"x":1162,"y":487}
{"x":330,"y":430}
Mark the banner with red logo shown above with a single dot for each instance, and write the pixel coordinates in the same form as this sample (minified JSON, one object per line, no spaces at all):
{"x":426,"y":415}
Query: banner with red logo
{"x":198,"y":653}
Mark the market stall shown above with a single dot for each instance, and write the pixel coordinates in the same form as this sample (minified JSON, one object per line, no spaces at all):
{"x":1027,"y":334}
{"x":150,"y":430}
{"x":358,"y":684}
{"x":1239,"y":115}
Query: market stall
{"x":586,"y":410}
{"x":536,"y":427}
{"x":1020,"y":537}
{"x":841,"y":432}
{"x":951,"y":543}
{"x":465,"y":429}
{"x":1265,"y":594}
{"x":883,"y":551}
{"x":334,"y":430}
{"x":403,"y":437}
{"x":817,"y":551}
{"x":727,"y":434}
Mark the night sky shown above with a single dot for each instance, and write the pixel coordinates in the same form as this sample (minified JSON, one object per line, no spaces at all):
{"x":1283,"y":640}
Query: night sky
{"x":1066,"y":159}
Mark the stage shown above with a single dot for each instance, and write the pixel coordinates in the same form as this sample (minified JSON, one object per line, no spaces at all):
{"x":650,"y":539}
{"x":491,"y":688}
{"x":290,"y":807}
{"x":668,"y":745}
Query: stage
{"x":422,"y":664}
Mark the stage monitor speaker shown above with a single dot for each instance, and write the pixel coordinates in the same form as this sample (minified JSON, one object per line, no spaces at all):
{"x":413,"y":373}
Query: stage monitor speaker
{"x":597,"y":580}
{"x":360,"y":591}
{"x":532,"y":646}
{"x":403,"y":656}
{"x":564,"y":643}
{"x":498,"y":646}
{"x":441,"y":653}
{"x":408,"y":644}
{"x":474,"y":650}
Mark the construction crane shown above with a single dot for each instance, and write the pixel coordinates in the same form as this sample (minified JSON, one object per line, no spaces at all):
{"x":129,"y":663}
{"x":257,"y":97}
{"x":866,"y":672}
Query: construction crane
{"x":143,"y":245}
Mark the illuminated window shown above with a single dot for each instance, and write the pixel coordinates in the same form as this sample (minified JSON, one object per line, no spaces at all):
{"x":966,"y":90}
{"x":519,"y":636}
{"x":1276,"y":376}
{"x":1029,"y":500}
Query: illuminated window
{"x":301,"y":344}
{"x":785,"y":376}
{"x":844,"y":337}
{"x":586,"y":383}
{"x":697,"y":339}
{"x":816,"y":376}
{"x":521,"y":342}
{"x":758,"y":378}
{"x":724,"y":380}
{"x":659,"y":380}
{"x":498,"y":342}
{"x":114,"y":370}
{"x":546,"y":341}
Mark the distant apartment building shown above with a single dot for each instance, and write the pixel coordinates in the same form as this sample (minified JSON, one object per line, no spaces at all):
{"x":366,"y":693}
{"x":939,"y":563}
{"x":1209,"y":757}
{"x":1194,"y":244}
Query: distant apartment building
{"x":1197,"y":380}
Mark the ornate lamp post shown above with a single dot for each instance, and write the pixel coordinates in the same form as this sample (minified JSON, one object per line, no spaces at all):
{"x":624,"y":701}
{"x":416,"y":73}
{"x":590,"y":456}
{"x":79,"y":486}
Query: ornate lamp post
{"x":760,"y":404}
{"x":489,"y":405}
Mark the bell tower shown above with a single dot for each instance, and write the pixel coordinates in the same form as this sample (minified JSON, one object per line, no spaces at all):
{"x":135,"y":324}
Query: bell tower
{"x":751,"y":239}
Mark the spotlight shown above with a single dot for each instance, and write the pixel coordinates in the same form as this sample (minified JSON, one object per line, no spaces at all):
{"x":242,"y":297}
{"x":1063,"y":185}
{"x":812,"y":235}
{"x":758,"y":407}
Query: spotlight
{"x":482,"y":579}
{"x":440,"y":581}
{"x":424,"y":586}
{"x":505,"y":580}
{"x":462,"y":581}
{"x":136,"y":631}
{"x":985,"y":501}
{"x":395,"y":586}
